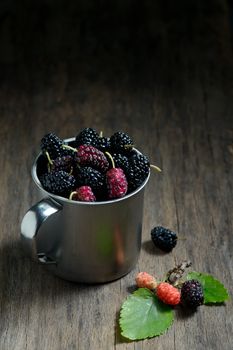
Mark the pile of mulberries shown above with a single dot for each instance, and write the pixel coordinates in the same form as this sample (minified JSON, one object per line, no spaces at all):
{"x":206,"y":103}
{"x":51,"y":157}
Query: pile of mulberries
{"x":91,"y":167}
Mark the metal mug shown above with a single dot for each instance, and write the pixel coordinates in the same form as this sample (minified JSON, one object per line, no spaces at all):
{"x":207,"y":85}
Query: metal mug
{"x":89,"y":242}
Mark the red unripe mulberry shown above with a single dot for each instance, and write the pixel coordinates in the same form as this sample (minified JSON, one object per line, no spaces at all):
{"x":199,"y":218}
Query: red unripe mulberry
{"x":116,"y":183}
{"x":168,"y":294}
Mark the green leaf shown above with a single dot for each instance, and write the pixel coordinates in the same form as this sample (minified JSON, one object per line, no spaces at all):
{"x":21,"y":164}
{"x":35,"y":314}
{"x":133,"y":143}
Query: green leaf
{"x":144,"y":316}
{"x":214,"y":290}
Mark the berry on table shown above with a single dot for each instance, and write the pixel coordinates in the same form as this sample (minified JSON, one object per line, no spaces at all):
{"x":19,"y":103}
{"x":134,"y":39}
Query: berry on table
{"x":58,"y":182}
{"x":192,"y":293}
{"x":163,"y":238}
{"x":168,"y":294}
{"x":83,"y":194}
{"x":145,"y":280}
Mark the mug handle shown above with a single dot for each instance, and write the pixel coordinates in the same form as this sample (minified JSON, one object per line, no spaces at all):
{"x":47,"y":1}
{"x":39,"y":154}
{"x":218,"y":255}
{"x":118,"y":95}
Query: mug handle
{"x":32,"y":228}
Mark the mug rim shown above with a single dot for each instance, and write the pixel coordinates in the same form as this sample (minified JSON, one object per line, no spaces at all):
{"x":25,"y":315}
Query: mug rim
{"x":70,"y":201}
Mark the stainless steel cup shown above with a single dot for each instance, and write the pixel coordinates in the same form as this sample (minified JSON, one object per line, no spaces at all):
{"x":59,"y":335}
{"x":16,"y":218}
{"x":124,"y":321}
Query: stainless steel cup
{"x":84,"y":242}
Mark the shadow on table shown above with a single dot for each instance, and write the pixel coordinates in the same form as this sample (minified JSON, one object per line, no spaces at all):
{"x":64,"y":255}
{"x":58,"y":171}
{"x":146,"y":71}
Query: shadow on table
{"x":24,"y":283}
{"x":151,"y":249}
{"x":183,"y":313}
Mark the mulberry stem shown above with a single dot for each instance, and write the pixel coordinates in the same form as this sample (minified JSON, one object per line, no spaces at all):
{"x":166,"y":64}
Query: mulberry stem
{"x":69,"y":147}
{"x":129,"y":146}
{"x":49,"y":159}
{"x":111,"y":158}
{"x":71,"y":195}
{"x":156,"y":168}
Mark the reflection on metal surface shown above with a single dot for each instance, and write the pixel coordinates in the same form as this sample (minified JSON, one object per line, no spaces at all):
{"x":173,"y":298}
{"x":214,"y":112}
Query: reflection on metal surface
{"x":119,"y":246}
{"x":29,"y":225}
{"x":44,"y":259}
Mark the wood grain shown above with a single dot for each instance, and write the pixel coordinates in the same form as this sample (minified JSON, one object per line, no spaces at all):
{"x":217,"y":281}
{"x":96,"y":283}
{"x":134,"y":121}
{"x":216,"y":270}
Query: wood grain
{"x":161,"y":71}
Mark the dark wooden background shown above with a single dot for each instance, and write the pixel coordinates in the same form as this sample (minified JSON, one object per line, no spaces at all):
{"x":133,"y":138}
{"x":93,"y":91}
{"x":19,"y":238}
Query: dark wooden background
{"x":163,"y":72}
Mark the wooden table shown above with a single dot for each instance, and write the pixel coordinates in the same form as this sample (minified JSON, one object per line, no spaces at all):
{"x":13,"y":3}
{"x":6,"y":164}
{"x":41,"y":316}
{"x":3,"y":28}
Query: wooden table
{"x":161,"y":71}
